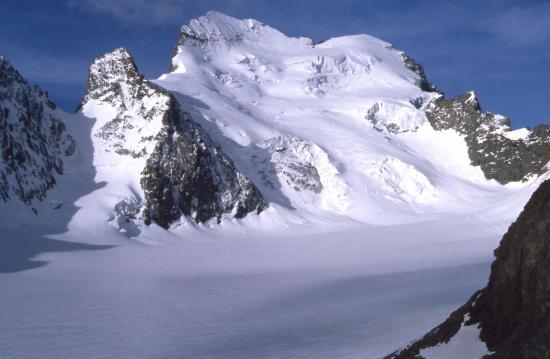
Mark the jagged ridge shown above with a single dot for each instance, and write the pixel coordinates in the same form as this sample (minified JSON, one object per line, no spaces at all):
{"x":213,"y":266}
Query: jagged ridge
{"x":33,"y":139}
{"x":500,"y":157}
{"x":182,"y":171}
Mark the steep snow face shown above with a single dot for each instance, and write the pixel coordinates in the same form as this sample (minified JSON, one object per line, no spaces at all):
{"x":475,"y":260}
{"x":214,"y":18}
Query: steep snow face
{"x":33,"y":140}
{"x":276,"y":103}
{"x":395,"y":118}
{"x":158,"y":163}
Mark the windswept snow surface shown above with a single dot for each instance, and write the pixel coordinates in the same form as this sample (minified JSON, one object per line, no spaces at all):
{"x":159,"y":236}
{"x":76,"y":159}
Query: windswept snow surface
{"x":372,"y":237}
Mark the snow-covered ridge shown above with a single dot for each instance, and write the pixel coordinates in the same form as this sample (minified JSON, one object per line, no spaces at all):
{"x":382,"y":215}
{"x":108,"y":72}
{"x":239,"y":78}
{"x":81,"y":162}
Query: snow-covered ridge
{"x":33,"y":140}
{"x":502,"y":154}
{"x":216,"y":32}
{"x":128,"y":108}
{"x":168,"y":164}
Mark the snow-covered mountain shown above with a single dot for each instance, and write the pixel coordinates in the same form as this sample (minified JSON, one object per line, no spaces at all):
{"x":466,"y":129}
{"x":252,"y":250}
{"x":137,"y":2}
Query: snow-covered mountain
{"x":170,"y":165}
{"x":311,"y":200}
{"x":384,"y":139}
{"x":343,"y":131}
{"x":33,"y":140}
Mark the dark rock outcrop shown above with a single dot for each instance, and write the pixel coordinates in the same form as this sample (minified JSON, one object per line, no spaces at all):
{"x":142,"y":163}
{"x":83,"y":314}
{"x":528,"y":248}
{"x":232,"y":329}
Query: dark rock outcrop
{"x":500,"y":157}
{"x":184,"y":172}
{"x":33,"y":140}
{"x":513,"y":311}
{"x":415,"y":67}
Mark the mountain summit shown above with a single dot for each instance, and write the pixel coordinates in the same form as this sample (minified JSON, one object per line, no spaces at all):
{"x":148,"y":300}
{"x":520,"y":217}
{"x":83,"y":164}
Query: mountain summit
{"x":367,"y":108}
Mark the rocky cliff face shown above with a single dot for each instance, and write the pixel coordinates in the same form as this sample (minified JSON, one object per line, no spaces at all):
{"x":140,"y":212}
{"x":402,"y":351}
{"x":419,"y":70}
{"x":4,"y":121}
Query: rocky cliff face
{"x":33,"y":140}
{"x":186,"y":174}
{"x":182,"y":171}
{"x":513,"y":311}
{"x":418,"y":69}
{"x":491,"y":146}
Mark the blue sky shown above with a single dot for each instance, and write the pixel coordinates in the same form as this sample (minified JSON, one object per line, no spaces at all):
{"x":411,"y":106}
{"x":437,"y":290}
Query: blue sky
{"x":500,"y":49}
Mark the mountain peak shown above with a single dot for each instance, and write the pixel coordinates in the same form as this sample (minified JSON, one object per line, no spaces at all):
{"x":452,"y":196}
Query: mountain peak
{"x":113,"y":62}
{"x":179,"y":169}
{"x":216,"y":26}
{"x":118,"y":54}
{"x":34,"y":140}
{"x":8,"y":73}
{"x":109,"y":73}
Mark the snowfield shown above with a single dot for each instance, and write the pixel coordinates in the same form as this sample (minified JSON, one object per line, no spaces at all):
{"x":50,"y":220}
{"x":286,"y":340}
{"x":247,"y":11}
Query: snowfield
{"x":377,"y":227}
{"x":232,"y":292}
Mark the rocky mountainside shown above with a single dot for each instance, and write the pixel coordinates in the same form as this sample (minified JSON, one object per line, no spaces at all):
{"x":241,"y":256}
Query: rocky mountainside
{"x":512,"y":314}
{"x":181,"y":171}
{"x":502,"y":154}
{"x":33,"y":140}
